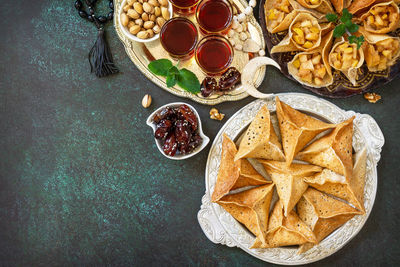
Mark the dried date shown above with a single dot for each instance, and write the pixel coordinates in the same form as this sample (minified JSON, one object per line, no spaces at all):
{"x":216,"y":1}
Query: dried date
{"x":229,"y":79}
{"x":170,"y":145}
{"x":187,"y":114}
{"x":208,"y":86}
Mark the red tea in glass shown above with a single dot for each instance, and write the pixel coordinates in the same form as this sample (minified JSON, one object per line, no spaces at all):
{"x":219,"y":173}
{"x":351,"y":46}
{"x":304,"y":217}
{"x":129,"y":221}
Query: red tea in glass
{"x":179,"y":38}
{"x":184,"y":7}
{"x":214,"y":16}
{"x":214,"y":54}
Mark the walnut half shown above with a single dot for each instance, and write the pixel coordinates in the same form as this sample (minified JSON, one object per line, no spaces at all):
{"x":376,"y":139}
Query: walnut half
{"x":215,"y":115}
{"x":372,"y":97}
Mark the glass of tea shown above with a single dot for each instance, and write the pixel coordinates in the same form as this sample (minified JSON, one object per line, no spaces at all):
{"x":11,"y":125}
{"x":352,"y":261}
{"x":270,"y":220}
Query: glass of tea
{"x":184,"y":7}
{"x":179,"y":37}
{"x":214,"y":16}
{"x":214,"y":54}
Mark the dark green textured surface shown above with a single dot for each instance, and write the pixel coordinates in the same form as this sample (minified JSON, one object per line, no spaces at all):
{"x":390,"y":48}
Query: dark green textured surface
{"x":82,"y":181}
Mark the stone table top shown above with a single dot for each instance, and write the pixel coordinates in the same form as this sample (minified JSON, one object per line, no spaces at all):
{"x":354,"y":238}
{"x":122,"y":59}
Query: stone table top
{"x":82,"y":181}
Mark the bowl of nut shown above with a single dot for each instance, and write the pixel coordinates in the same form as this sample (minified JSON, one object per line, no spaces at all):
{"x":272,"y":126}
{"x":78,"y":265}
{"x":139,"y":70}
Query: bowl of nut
{"x":177,"y":131}
{"x":141,"y":20}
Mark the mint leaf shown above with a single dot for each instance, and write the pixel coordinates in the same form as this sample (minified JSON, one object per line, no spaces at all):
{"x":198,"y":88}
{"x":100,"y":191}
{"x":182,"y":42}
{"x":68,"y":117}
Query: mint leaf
{"x":171,"y":76}
{"x":353,"y":28}
{"x":171,"y":80}
{"x":357,"y":40}
{"x":160,"y":67}
{"x":346,"y":15}
{"x":331,"y":17}
{"x":173,"y":71}
{"x":339,"y":30}
{"x":188,"y":81}
{"x":352,"y":39}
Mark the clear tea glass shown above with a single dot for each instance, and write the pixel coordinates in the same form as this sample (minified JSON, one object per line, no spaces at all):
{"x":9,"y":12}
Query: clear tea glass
{"x":179,"y":37}
{"x":214,"y":54}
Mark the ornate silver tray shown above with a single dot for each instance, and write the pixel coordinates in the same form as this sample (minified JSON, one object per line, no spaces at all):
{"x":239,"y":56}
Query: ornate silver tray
{"x":142,"y":54}
{"x":221,"y":228}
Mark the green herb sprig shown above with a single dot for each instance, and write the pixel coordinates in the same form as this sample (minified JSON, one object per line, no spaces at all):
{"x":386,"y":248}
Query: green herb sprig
{"x":345,"y":25}
{"x":186,"y":79}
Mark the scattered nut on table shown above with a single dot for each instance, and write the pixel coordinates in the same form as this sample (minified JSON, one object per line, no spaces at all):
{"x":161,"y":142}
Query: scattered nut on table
{"x":139,"y":17}
{"x":372,"y":97}
{"x":215,"y":115}
{"x":146,"y":101}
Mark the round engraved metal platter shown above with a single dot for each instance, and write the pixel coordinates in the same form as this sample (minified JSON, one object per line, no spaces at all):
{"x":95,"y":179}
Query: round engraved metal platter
{"x":142,"y":54}
{"x":341,"y":87}
{"x":221,"y":228}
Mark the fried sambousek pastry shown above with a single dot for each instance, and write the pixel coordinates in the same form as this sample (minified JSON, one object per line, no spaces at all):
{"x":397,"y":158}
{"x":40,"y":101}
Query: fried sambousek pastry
{"x":340,"y":4}
{"x":312,"y":68}
{"x":297,"y":129}
{"x":346,"y":58}
{"x":234,"y":174}
{"x":285,"y":230}
{"x":322,"y":6}
{"x":251,"y":207}
{"x":279,"y":14}
{"x":260,"y":139}
{"x":322,"y":214}
{"x":381,"y":18}
{"x":289,"y":180}
{"x":333,"y":151}
{"x":304,"y":35}
{"x":350,"y":190}
{"x":380,"y":50}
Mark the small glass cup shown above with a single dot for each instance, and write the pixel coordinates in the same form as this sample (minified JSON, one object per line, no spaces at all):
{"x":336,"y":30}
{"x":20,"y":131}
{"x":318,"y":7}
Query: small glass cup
{"x":184,"y":7}
{"x":214,"y":54}
{"x":179,"y":37}
{"x":214,"y":16}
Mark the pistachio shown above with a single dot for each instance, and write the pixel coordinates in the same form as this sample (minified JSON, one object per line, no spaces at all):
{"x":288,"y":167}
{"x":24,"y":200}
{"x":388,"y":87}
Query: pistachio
{"x":145,"y":17}
{"x":130,"y":24}
{"x":154,"y":3}
{"x":163,"y":3}
{"x":124,"y":20}
{"x":151,"y":33}
{"x":146,"y":101}
{"x":134,"y":29}
{"x":143,"y":35}
{"x":156,"y":29}
{"x":133,"y":14}
{"x":160,"y":21}
{"x":130,"y":2}
{"x":138,"y":7}
{"x":148,"y":24}
{"x":126,"y":8}
{"x":153,"y":17}
{"x":139,"y":22}
{"x":165,"y":13}
{"x":157,"y":11}
{"x":148,"y":8}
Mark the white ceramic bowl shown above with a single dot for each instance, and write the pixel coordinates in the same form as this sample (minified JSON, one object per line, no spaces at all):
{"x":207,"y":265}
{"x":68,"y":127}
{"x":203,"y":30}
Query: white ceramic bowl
{"x":133,"y":37}
{"x":206,"y":140}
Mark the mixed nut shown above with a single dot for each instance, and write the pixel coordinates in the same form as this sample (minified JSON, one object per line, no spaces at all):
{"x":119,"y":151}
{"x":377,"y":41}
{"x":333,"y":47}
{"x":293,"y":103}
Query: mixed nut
{"x":144,"y":18}
{"x":177,"y":128}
